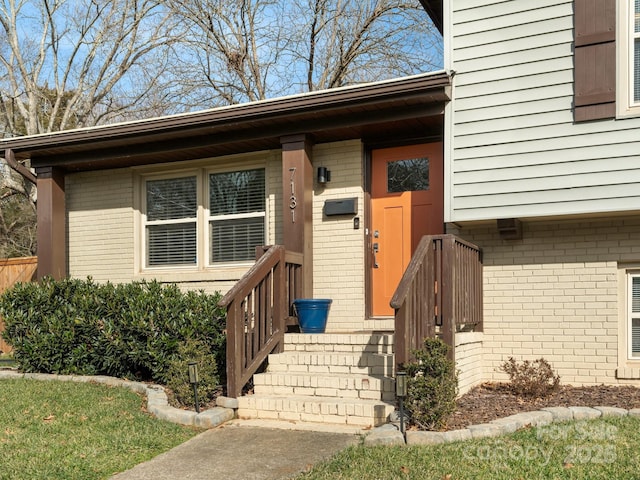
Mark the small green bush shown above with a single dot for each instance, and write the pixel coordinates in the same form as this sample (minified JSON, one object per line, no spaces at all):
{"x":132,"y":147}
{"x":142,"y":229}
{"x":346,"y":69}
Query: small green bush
{"x":432,"y":385}
{"x":128,"y":330}
{"x":178,"y":373}
{"x":532,"y":379}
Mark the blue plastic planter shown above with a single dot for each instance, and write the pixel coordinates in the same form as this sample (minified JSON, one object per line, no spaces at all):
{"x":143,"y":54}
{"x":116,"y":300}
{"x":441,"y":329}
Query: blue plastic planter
{"x":312,"y":314}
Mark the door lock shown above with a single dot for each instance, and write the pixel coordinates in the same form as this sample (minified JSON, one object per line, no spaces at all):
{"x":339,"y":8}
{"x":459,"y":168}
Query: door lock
{"x":376,"y":248}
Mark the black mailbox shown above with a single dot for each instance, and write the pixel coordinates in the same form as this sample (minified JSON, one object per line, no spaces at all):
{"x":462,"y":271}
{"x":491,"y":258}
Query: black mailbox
{"x":344,"y":206}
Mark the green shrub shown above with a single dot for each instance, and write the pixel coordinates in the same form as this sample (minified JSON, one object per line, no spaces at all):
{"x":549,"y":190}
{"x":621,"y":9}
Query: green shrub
{"x":129,"y":330}
{"x":178,"y":373}
{"x":432,"y":385}
{"x":532,"y":379}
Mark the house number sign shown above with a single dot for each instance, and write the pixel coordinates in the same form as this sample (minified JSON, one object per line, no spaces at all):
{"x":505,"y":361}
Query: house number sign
{"x":293,"y":201}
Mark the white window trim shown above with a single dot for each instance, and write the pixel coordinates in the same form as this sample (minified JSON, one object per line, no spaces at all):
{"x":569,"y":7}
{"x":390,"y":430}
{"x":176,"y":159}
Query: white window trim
{"x":144,"y":223}
{"x":625,"y":35}
{"x":628,"y":366}
{"x":629,"y":314}
{"x":201,"y":170}
{"x":209,"y":218}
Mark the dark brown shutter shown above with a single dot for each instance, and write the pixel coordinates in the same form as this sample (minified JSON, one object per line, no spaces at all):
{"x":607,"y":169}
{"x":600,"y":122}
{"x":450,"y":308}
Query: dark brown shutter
{"x":594,"y":59}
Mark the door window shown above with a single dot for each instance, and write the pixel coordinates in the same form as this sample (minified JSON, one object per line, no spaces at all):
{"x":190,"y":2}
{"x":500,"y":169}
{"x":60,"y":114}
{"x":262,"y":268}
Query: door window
{"x":408,"y":175}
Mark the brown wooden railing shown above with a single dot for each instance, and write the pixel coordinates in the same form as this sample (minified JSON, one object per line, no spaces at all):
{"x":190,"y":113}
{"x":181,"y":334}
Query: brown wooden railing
{"x":439,"y":293}
{"x":258,"y":309}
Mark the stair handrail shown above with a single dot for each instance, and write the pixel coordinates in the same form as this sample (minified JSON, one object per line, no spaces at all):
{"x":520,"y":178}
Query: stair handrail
{"x":258,"y":308}
{"x":440,"y":290}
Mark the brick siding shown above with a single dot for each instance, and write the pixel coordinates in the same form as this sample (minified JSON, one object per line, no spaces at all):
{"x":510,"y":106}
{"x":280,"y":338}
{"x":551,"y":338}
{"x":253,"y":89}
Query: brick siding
{"x":554,"y":294}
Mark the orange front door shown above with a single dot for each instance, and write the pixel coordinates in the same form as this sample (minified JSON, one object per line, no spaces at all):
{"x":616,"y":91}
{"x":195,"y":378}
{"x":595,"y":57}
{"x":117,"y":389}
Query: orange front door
{"x":406,"y":203}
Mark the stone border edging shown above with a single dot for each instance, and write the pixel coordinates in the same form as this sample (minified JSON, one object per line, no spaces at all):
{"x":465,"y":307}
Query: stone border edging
{"x":157,"y":401}
{"x":389,"y":434}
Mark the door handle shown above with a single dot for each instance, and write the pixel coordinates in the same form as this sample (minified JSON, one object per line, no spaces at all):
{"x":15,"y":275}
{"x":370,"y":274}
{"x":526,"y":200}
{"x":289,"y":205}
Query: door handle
{"x":376,"y":248}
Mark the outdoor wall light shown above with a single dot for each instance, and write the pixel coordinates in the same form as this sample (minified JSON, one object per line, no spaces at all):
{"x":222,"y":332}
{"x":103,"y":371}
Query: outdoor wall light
{"x":193,"y":380}
{"x":324,"y":175}
{"x":401,"y":393}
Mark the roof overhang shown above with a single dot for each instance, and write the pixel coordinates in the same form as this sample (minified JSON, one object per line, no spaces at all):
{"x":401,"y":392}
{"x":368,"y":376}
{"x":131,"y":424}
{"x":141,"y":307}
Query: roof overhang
{"x":400,"y":108}
{"x":434,"y":9}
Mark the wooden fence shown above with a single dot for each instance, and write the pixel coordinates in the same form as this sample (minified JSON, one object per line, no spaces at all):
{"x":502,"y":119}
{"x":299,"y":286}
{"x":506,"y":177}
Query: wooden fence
{"x":12,"y":271}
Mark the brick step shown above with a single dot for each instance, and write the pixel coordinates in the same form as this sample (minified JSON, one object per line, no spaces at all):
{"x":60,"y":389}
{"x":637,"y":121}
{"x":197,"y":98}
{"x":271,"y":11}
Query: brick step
{"x":339,"y":411}
{"x":325,"y":385}
{"x":339,"y":342}
{"x":337,"y":362}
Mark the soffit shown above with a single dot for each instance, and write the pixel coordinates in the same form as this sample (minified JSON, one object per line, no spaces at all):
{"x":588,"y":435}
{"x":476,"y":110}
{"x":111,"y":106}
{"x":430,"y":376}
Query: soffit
{"x":404,"y":108}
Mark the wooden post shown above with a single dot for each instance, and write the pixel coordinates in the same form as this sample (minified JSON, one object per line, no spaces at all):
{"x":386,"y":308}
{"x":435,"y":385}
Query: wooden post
{"x":280,"y":298}
{"x":448,"y":292}
{"x":235,"y":344}
{"x":52,"y":237}
{"x":297,"y":203}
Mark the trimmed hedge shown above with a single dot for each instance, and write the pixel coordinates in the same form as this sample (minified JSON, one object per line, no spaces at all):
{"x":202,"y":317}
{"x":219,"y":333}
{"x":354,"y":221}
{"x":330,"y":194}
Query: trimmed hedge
{"x":129,"y":330}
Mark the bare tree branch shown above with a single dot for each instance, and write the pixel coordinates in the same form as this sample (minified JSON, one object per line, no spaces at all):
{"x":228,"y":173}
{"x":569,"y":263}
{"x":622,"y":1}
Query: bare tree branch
{"x":247,"y":50}
{"x":75,"y":55}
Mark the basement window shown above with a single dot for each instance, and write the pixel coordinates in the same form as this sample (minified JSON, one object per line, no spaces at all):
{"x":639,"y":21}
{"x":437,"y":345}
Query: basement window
{"x":633,"y":316}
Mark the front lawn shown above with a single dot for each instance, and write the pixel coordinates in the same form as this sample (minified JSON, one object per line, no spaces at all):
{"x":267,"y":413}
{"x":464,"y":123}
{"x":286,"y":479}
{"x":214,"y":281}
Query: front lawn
{"x":67,"y":430}
{"x":597,"y":449}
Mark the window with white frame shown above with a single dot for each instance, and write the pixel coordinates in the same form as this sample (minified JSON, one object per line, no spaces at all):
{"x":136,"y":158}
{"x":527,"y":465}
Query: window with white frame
{"x":187,"y":227}
{"x":628,"y":48}
{"x":633,"y":315}
{"x":171,"y":221}
{"x":236,"y":215}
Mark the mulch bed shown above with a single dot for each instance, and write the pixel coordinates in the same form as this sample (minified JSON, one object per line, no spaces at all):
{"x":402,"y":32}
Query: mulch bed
{"x":491,"y":401}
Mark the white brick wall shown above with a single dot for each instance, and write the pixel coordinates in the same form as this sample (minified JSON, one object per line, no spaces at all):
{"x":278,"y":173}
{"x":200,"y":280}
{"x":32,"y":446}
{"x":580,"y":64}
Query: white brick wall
{"x":101,"y":232}
{"x":554,"y":294}
{"x":100,"y":225}
{"x":338,"y":249}
{"x":469,"y":360}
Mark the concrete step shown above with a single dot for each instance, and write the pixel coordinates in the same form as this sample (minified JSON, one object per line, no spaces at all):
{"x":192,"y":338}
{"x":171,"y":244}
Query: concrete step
{"x":325,"y":385}
{"x":339,"y":411}
{"x":361,"y":342}
{"x":336,"y":362}
{"x":343,"y":379}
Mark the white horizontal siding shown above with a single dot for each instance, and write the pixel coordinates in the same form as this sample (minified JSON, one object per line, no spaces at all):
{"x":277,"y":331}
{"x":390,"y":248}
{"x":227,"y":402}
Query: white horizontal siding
{"x":473,"y":178}
{"x":516,"y":150}
{"x":512,"y":33}
{"x":500,"y":112}
{"x":539,"y":61}
{"x":548,"y":160}
{"x":520,"y":96}
{"x":467,"y":11}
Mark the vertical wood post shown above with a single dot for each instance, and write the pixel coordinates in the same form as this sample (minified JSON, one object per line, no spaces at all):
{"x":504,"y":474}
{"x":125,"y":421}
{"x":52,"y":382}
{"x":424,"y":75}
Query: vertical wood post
{"x":449,"y":292}
{"x":52,"y":236}
{"x":297,"y":203}
{"x":401,"y":337}
{"x":235,"y":350}
{"x":280,"y":299}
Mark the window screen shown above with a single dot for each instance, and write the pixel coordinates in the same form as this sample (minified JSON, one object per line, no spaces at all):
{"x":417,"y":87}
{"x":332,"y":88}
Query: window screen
{"x":636,"y":53}
{"x":171,"y":221}
{"x":237,"y":215}
{"x":634,"y":350}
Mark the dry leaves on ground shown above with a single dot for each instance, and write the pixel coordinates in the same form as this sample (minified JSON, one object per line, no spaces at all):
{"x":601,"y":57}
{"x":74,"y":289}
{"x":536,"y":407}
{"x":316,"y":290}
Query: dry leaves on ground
{"x":490,"y":401}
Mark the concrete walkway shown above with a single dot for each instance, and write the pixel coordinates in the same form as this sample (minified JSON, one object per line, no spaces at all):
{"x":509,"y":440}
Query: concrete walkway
{"x":233,"y":451}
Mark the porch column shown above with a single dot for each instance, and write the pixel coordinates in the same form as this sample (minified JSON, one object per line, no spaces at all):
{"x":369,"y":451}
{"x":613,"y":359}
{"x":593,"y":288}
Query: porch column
{"x":297,"y":202}
{"x":52,"y":238}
